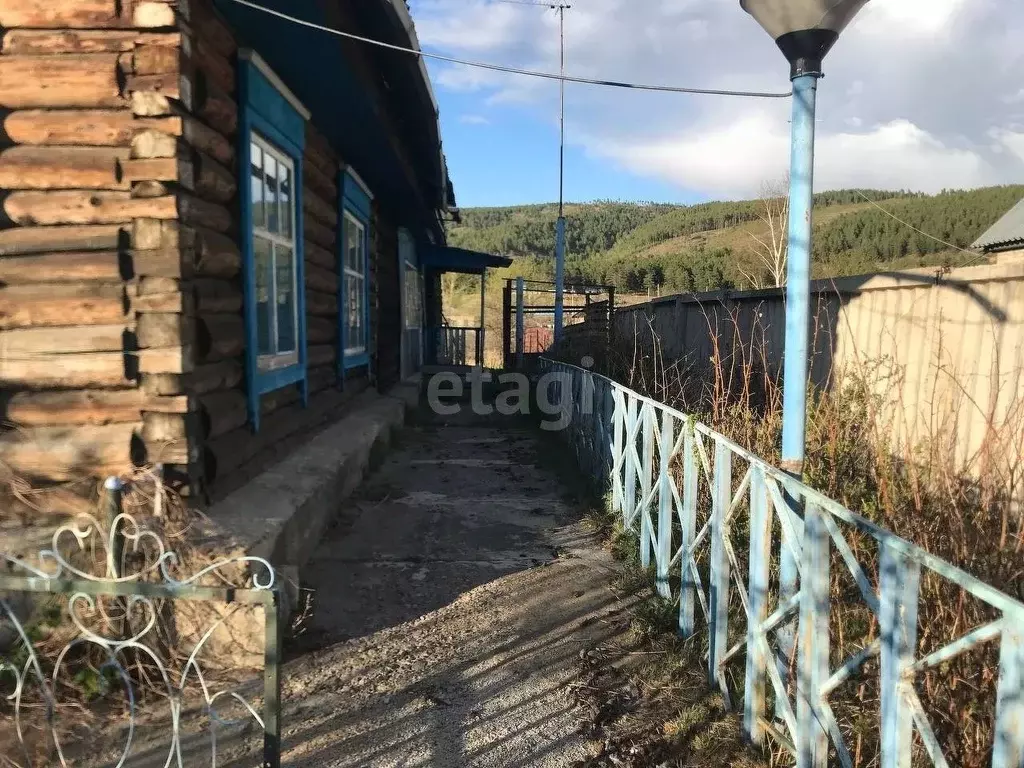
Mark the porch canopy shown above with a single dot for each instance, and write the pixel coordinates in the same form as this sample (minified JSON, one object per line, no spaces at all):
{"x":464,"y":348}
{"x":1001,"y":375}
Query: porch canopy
{"x":444,"y":258}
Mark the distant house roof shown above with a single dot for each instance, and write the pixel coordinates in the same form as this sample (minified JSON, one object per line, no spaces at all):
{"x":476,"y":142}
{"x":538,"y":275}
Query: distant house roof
{"x":1006,"y":233}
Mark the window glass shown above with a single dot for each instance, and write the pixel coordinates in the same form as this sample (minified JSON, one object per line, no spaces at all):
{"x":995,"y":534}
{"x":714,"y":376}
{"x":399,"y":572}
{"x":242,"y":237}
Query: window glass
{"x":355,"y":286}
{"x":353,"y":235}
{"x":286,"y":333}
{"x":259,"y":216}
{"x":413,"y":298}
{"x":354,"y":310}
{"x":270,"y":174}
{"x":284,"y":191}
{"x":274,"y":247}
{"x":263,"y":261}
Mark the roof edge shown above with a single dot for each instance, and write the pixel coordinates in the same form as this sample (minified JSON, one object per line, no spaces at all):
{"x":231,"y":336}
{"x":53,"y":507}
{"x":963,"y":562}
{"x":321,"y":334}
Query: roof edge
{"x":405,"y":17}
{"x":1006,"y":232}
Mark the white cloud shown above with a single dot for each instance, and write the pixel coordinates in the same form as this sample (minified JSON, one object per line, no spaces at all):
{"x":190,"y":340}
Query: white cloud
{"x":721,"y":160}
{"x":471,"y":119}
{"x":469,"y":25}
{"x":459,"y":78}
{"x":732,"y":161}
{"x":916,"y":18}
{"x":902,"y":103}
{"x":1011,"y":140}
{"x":899,"y":154}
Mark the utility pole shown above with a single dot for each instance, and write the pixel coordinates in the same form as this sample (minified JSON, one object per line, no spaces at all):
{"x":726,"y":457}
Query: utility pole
{"x":561,"y":8}
{"x":560,"y":226}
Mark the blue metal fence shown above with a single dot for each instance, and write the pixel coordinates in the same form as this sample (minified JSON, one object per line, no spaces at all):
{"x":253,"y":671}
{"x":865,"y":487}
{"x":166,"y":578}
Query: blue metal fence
{"x":634,"y":446}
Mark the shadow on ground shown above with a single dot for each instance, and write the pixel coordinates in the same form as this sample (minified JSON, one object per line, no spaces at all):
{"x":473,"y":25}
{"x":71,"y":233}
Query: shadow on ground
{"x":454,"y":599}
{"x":465,"y":615}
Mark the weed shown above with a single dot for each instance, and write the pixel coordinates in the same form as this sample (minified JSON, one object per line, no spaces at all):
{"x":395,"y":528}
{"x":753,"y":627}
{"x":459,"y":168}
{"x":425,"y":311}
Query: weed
{"x":600,"y":519}
{"x":654,"y":616}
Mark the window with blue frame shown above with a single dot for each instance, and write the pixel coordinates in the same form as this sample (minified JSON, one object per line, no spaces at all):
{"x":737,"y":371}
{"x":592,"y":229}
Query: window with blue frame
{"x":354,"y":285}
{"x":272,"y":137}
{"x":272,"y":175}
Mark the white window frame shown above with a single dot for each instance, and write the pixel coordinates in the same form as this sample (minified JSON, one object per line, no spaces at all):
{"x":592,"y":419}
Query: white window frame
{"x":278,"y":360}
{"x":359,"y":275}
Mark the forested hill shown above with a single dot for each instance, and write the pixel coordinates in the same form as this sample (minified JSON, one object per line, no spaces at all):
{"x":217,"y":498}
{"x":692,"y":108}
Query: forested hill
{"x":640,"y":246}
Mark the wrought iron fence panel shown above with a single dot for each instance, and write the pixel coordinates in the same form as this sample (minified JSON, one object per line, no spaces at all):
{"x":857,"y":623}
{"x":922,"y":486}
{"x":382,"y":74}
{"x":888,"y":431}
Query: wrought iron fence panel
{"x":137,"y":595}
{"x":684,"y":488}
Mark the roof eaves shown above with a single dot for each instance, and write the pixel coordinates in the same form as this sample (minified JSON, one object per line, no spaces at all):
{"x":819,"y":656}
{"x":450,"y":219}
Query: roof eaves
{"x":405,"y":16}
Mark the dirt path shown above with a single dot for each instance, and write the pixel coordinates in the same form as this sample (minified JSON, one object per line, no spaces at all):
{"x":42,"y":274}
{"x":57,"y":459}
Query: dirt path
{"x":466,"y":617}
{"x":455,"y":597}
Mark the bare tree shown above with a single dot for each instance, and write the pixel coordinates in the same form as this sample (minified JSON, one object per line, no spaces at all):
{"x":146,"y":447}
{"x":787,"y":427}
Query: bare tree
{"x":771,"y":248}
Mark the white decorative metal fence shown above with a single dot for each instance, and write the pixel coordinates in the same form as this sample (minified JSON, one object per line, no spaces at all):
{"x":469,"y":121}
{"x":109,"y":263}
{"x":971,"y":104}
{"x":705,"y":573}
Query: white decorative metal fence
{"x":110,"y":589}
{"x":702,"y":505}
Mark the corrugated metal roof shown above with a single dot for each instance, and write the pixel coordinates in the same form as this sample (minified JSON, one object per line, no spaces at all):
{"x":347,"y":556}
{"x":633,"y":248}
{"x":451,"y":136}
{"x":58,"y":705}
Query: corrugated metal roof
{"x":1008,"y":231}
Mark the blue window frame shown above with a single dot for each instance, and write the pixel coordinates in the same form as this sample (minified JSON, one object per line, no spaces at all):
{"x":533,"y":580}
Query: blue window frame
{"x":272,"y":136}
{"x":354,"y":273}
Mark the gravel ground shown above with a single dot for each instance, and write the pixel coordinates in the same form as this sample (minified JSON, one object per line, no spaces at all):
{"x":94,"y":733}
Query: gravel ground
{"x":464,"y":616}
{"x":456,"y":603}
{"x":454,"y":600}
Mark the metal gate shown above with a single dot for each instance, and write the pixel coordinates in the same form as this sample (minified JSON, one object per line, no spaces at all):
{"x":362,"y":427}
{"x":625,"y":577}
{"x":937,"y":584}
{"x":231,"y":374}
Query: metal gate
{"x":529,"y":322}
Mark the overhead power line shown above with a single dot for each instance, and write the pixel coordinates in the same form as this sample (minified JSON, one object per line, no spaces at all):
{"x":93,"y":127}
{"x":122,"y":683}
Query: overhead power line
{"x":894,"y":217}
{"x":538,"y":3}
{"x":514,"y":70}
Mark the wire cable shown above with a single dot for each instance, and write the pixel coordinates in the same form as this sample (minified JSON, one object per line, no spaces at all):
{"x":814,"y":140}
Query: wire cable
{"x":538,"y":3}
{"x":921,"y":232}
{"x":514,"y":70}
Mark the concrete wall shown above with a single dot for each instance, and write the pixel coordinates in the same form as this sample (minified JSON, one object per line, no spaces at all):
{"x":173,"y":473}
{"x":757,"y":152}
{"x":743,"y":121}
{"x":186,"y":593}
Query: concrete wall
{"x":944,"y":352}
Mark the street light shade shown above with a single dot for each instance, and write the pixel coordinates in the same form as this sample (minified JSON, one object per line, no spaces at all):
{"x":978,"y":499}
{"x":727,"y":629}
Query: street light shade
{"x":805,"y":30}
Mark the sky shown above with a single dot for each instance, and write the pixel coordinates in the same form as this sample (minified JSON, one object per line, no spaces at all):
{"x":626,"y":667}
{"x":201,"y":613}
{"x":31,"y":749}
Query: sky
{"x":918,"y":94}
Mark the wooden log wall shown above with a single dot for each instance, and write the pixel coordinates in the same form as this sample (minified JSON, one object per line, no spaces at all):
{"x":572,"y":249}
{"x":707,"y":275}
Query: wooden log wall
{"x":122,"y":337}
{"x":230,"y":451}
{"x":104,"y":177}
{"x":322,"y":230}
{"x":386,"y":299}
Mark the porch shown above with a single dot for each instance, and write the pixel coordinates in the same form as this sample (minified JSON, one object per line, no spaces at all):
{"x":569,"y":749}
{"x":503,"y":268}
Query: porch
{"x":448,"y":346}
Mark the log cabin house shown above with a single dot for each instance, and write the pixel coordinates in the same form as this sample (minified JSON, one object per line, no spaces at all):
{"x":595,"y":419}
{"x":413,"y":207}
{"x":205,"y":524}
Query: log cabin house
{"x":217,"y":227}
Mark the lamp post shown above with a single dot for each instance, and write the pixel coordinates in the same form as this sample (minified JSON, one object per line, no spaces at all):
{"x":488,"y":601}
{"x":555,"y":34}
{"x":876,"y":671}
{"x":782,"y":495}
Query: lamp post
{"x":560,"y":226}
{"x":805,"y":31}
{"x":561,"y":7}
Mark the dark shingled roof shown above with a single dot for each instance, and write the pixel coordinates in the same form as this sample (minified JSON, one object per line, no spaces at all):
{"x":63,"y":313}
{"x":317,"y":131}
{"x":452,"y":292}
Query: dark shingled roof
{"x":1006,"y":233}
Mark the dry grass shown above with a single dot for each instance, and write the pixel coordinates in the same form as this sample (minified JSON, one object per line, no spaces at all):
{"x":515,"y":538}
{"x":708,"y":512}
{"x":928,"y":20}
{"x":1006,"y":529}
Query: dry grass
{"x":88,"y":689}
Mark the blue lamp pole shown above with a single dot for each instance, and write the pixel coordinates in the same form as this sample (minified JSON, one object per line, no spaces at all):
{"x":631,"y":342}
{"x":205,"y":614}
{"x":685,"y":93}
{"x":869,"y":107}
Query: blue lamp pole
{"x":798,"y":274}
{"x":805,"y":31}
